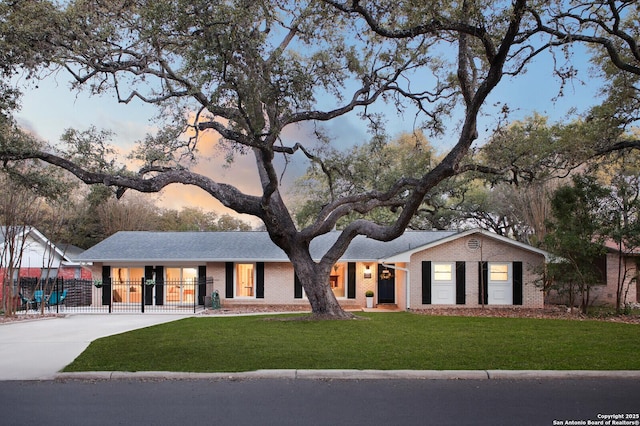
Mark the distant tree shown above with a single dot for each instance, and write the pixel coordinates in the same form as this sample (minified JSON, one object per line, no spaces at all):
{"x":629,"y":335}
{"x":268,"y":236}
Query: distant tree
{"x":227,"y":222}
{"x":490,"y":207}
{"x":196,"y":219}
{"x":529,"y":150}
{"x":516,"y":211}
{"x":22,"y":205}
{"x":372,"y":166}
{"x":131,"y":213}
{"x":17,"y":208}
{"x":533,"y":206}
{"x":26,"y":190}
{"x":575,"y":235}
{"x":187,"y":219}
{"x":96,"y":214}
{"x":529,"y":155}
{"x":84,"y":228}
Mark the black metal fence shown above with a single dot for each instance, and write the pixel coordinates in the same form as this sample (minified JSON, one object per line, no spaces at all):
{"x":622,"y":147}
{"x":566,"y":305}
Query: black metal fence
{"x":86,"y":296}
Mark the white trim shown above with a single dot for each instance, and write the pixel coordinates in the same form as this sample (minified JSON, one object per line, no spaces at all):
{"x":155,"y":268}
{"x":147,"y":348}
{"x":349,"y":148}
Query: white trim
{"x":407,"y":282}
{"x":406,"y":255}
{"x":47,"y":243}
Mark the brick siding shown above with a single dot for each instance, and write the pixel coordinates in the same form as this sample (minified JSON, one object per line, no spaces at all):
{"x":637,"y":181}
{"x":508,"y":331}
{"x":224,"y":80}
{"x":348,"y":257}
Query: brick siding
{"x":606,"y":295}
{"x":490,"y":251}
{"x":279,"y":276}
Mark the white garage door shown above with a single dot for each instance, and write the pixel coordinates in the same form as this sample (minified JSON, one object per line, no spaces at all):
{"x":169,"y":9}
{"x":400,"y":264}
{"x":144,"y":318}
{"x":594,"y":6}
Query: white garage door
{"x":500,"y":285}
{"x":443,"y":288}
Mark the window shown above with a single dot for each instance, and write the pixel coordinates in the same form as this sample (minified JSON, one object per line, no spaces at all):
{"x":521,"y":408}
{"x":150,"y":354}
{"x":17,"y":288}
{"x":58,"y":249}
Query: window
{"x":180,"y":285}
{"x":127,"y":284}
{"x":245,"y":280}
{"x":443,"y":272}
{"x":499,"y":272}
{"x":337,"y":279}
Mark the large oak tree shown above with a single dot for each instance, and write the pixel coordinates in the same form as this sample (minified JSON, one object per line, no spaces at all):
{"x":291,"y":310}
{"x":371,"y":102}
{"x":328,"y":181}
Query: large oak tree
{"x":248,"y":70}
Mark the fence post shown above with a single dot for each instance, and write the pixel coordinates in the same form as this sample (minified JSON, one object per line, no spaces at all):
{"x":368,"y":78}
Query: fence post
{"x":57,"y":295}
{"x":142,"y":293}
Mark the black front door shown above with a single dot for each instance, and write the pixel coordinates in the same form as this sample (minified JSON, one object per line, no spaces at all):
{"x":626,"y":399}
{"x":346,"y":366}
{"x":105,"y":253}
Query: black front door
{"x":386,"y":285}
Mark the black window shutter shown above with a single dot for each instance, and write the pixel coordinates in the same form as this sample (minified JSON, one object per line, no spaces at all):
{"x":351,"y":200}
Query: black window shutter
{"x":517,"y":283}
{"x":426,"y":283}
{"x":148,"y":291}
{"x":260,"y":280}
{"x":228,"y":280}
{"x":159,"y":285}
{"x":483,"y":283}
{"x":351,"y":280}
{"x":106,"y":285}
{"x":297,"y":287}
{"x":202,"y":283}
{"x":460,"y":283}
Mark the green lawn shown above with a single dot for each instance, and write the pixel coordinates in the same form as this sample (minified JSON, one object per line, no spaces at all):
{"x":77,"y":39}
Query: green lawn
{"x":386,"y":341}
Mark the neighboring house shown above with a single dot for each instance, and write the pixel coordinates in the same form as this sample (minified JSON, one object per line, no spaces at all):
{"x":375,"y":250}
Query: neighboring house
{"x":611,"y":267}
{"x":615,"y":267}
{"x":39,"y":258}
{"x":419,"y":270}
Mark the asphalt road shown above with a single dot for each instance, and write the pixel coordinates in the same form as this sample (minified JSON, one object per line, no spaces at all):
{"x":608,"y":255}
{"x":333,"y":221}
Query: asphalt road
{"x":320,"y":402}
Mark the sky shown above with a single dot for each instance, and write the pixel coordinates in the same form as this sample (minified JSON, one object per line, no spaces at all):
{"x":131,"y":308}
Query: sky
{"x":51,"y":107}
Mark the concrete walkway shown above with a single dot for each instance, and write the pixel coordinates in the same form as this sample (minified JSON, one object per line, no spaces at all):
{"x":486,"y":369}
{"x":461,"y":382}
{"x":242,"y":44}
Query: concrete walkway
{"x":38,"y":349}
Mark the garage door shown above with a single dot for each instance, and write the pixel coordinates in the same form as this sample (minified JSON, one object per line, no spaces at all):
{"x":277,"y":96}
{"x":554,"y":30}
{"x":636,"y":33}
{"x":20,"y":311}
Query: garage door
{"x":500,"y":284}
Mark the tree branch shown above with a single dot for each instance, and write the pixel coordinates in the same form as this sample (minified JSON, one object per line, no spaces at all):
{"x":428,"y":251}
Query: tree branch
{"x":228,"y":195}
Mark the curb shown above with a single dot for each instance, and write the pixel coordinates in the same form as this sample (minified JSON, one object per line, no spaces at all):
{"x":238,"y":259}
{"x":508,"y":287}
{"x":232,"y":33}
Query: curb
{"x":356,"y":375}
{"x":563,"y":374}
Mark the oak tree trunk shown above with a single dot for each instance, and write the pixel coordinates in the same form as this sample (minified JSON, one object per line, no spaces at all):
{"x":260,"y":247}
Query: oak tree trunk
{"x":323,"y":301}
{"x":315,"y":281}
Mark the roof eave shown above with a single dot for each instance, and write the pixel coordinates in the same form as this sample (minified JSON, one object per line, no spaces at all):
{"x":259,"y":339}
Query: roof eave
{"x":406,"y":256}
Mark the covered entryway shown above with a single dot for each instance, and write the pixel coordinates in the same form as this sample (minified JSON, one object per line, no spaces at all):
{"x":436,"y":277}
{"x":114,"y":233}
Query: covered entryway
{"x":386,"y":284}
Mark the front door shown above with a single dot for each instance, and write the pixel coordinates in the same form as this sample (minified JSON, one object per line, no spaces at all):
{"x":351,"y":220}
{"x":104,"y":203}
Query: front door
{"x":386,"y":285}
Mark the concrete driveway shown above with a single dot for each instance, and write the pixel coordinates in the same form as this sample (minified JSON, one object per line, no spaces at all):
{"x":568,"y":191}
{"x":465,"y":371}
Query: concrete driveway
{"x":38,"y":349}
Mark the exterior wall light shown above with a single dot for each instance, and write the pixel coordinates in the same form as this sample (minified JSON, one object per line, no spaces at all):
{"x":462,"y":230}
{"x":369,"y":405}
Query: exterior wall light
{"x":367,"y":271}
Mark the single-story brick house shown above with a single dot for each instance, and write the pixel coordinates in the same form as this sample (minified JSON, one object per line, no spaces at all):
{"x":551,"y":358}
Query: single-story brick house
{"x":418,"y":270}
{"x":614,"y":267}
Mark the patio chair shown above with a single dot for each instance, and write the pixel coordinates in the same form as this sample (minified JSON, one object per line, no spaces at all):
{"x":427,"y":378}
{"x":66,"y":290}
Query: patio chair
{"x":26,"y":303}
{"x":37,"y":298}
{"x":56,"y":298}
